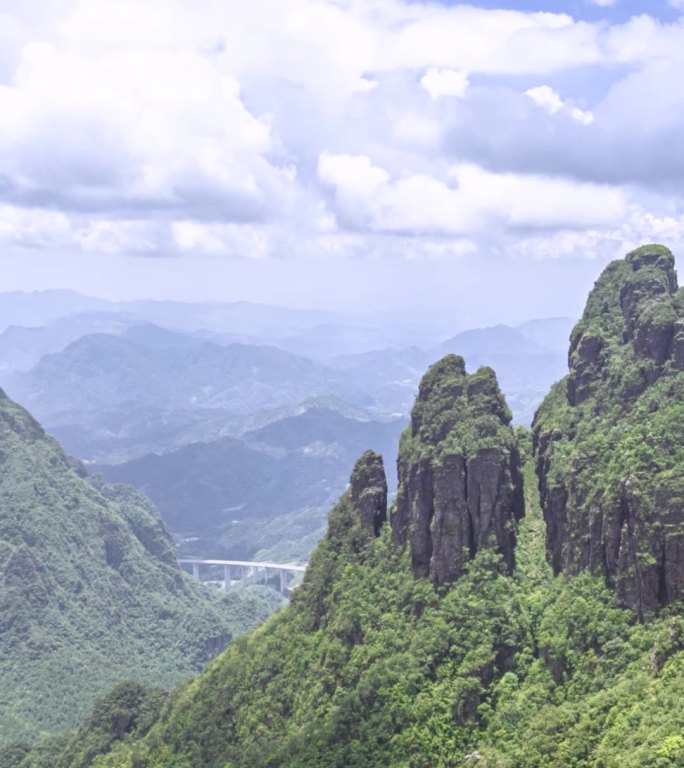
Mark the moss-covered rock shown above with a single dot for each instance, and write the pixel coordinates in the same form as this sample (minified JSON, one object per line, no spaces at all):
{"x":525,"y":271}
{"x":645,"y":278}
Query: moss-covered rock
{"x":610,"y":438}
{"x":460,"y":488}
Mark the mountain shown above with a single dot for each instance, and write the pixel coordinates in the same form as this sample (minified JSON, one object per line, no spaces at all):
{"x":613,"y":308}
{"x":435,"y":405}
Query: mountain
{"x":496,"y":340}
{"x":322,"y":342}
{"x":21,"y":348}
{"x":100,"y":371}
{"x":552,"y":333}
{"x":221,"y":497}
{"x":91,"y":592}
{"x":610,"y":436}
{"x":450,"y":629}
{"x":526,"y":366}
{"x":460,"y":487}
{"x":41,"y":307}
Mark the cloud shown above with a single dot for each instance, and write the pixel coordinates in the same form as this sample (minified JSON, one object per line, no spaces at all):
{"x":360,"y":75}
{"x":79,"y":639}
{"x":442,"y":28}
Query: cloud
{"x":471,"y":201}
{"x":241,"y":241}
{"x":33,"y":228}
{"x":312,"y":126}
{"x":445,"y":82}
{"x":603,"y":3}
{"x":544,"y":96}
{"x":134,"y":131}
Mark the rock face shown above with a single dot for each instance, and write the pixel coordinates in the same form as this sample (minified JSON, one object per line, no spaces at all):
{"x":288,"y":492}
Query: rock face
{"x":460,"y":487}
{"x":369,"y":491}
{"x":609,"y":439}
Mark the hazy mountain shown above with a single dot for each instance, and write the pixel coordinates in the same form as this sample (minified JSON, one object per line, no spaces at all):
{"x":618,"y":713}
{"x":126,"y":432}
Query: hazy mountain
{"x":222,"y":495}
{"x":526,"y":368}
{"x":21,"y":347}
{"x":497,"y":340}
{"x":331,"y":340}
{"x":552,"y":333}
{"x":100,"y":371}
{"x":41,"y":307}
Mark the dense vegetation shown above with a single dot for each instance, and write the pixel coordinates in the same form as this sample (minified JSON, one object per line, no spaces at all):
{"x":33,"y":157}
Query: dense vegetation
{"x":371,"y":667}
{"x":90,"y":589}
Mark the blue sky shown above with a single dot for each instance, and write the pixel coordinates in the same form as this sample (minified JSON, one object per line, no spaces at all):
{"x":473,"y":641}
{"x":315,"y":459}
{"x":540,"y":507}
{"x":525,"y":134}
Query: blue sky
{"x":480,"y":160}
{"x":620,"y":10}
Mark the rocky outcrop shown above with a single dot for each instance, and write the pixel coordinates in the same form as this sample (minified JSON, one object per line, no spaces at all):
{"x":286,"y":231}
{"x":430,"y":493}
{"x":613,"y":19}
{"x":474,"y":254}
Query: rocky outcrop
{"x":609,"y":441}
{"x":368,"y":486}
{"x":460,"y":487}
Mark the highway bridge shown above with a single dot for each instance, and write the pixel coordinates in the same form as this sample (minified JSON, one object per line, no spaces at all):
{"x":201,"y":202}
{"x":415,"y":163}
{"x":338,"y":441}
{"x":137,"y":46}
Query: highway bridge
{"x":246,"y":571}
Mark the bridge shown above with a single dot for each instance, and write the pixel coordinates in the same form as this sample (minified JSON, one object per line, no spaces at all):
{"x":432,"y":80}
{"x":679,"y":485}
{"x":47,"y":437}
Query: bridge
{"x":248,"y":571}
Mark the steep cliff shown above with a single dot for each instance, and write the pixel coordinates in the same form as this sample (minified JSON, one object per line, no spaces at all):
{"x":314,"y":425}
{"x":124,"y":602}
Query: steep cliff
{"x":460,"y":487}
{"x":609,"y":439}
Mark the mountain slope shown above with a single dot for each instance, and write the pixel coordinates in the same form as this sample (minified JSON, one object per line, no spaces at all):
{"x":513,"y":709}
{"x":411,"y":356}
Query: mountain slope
{"x":90,"y":589}
{"x":380,"y":660}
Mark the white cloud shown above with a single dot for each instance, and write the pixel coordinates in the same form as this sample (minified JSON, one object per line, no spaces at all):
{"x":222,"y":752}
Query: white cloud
{"x":135,"y":129}
{"x":445,"y":82}
{"x":232,"y":240}
{"x":545,"y":97}
{"x":603,"y":3}
{"x":417,"y":129}
{"x":471,"y":201}
{"x":33,"y":227}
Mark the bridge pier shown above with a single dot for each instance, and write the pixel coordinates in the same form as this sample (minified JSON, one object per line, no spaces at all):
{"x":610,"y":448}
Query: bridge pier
{"x":283,"y":581}
{"x":195,"y":570}
{"x":227,"y":586}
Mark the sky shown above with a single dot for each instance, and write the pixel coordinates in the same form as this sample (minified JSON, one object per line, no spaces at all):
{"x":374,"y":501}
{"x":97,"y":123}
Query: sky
{"x":483,"y":160}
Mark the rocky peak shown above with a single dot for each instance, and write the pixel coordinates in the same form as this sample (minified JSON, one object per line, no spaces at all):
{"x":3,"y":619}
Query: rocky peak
{"x":634,"y":303}
{"x":609,"y":440}
{"x":460,"y":488}
{"x":369,"y":491}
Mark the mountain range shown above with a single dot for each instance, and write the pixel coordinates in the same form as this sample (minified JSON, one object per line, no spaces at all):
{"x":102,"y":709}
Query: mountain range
{"x":164,"y":409}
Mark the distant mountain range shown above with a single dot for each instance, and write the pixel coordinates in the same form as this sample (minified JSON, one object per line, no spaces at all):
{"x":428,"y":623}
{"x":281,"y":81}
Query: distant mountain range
{"x":100,"y":371}
{"x":222,"y":497}
{"x":527,"y":360}
{"x":241,"y":420}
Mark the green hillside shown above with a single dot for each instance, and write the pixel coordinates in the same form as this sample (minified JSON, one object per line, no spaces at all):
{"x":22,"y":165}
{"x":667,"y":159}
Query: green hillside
{"x":610,"y":436}
{"x":90,"y":589}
